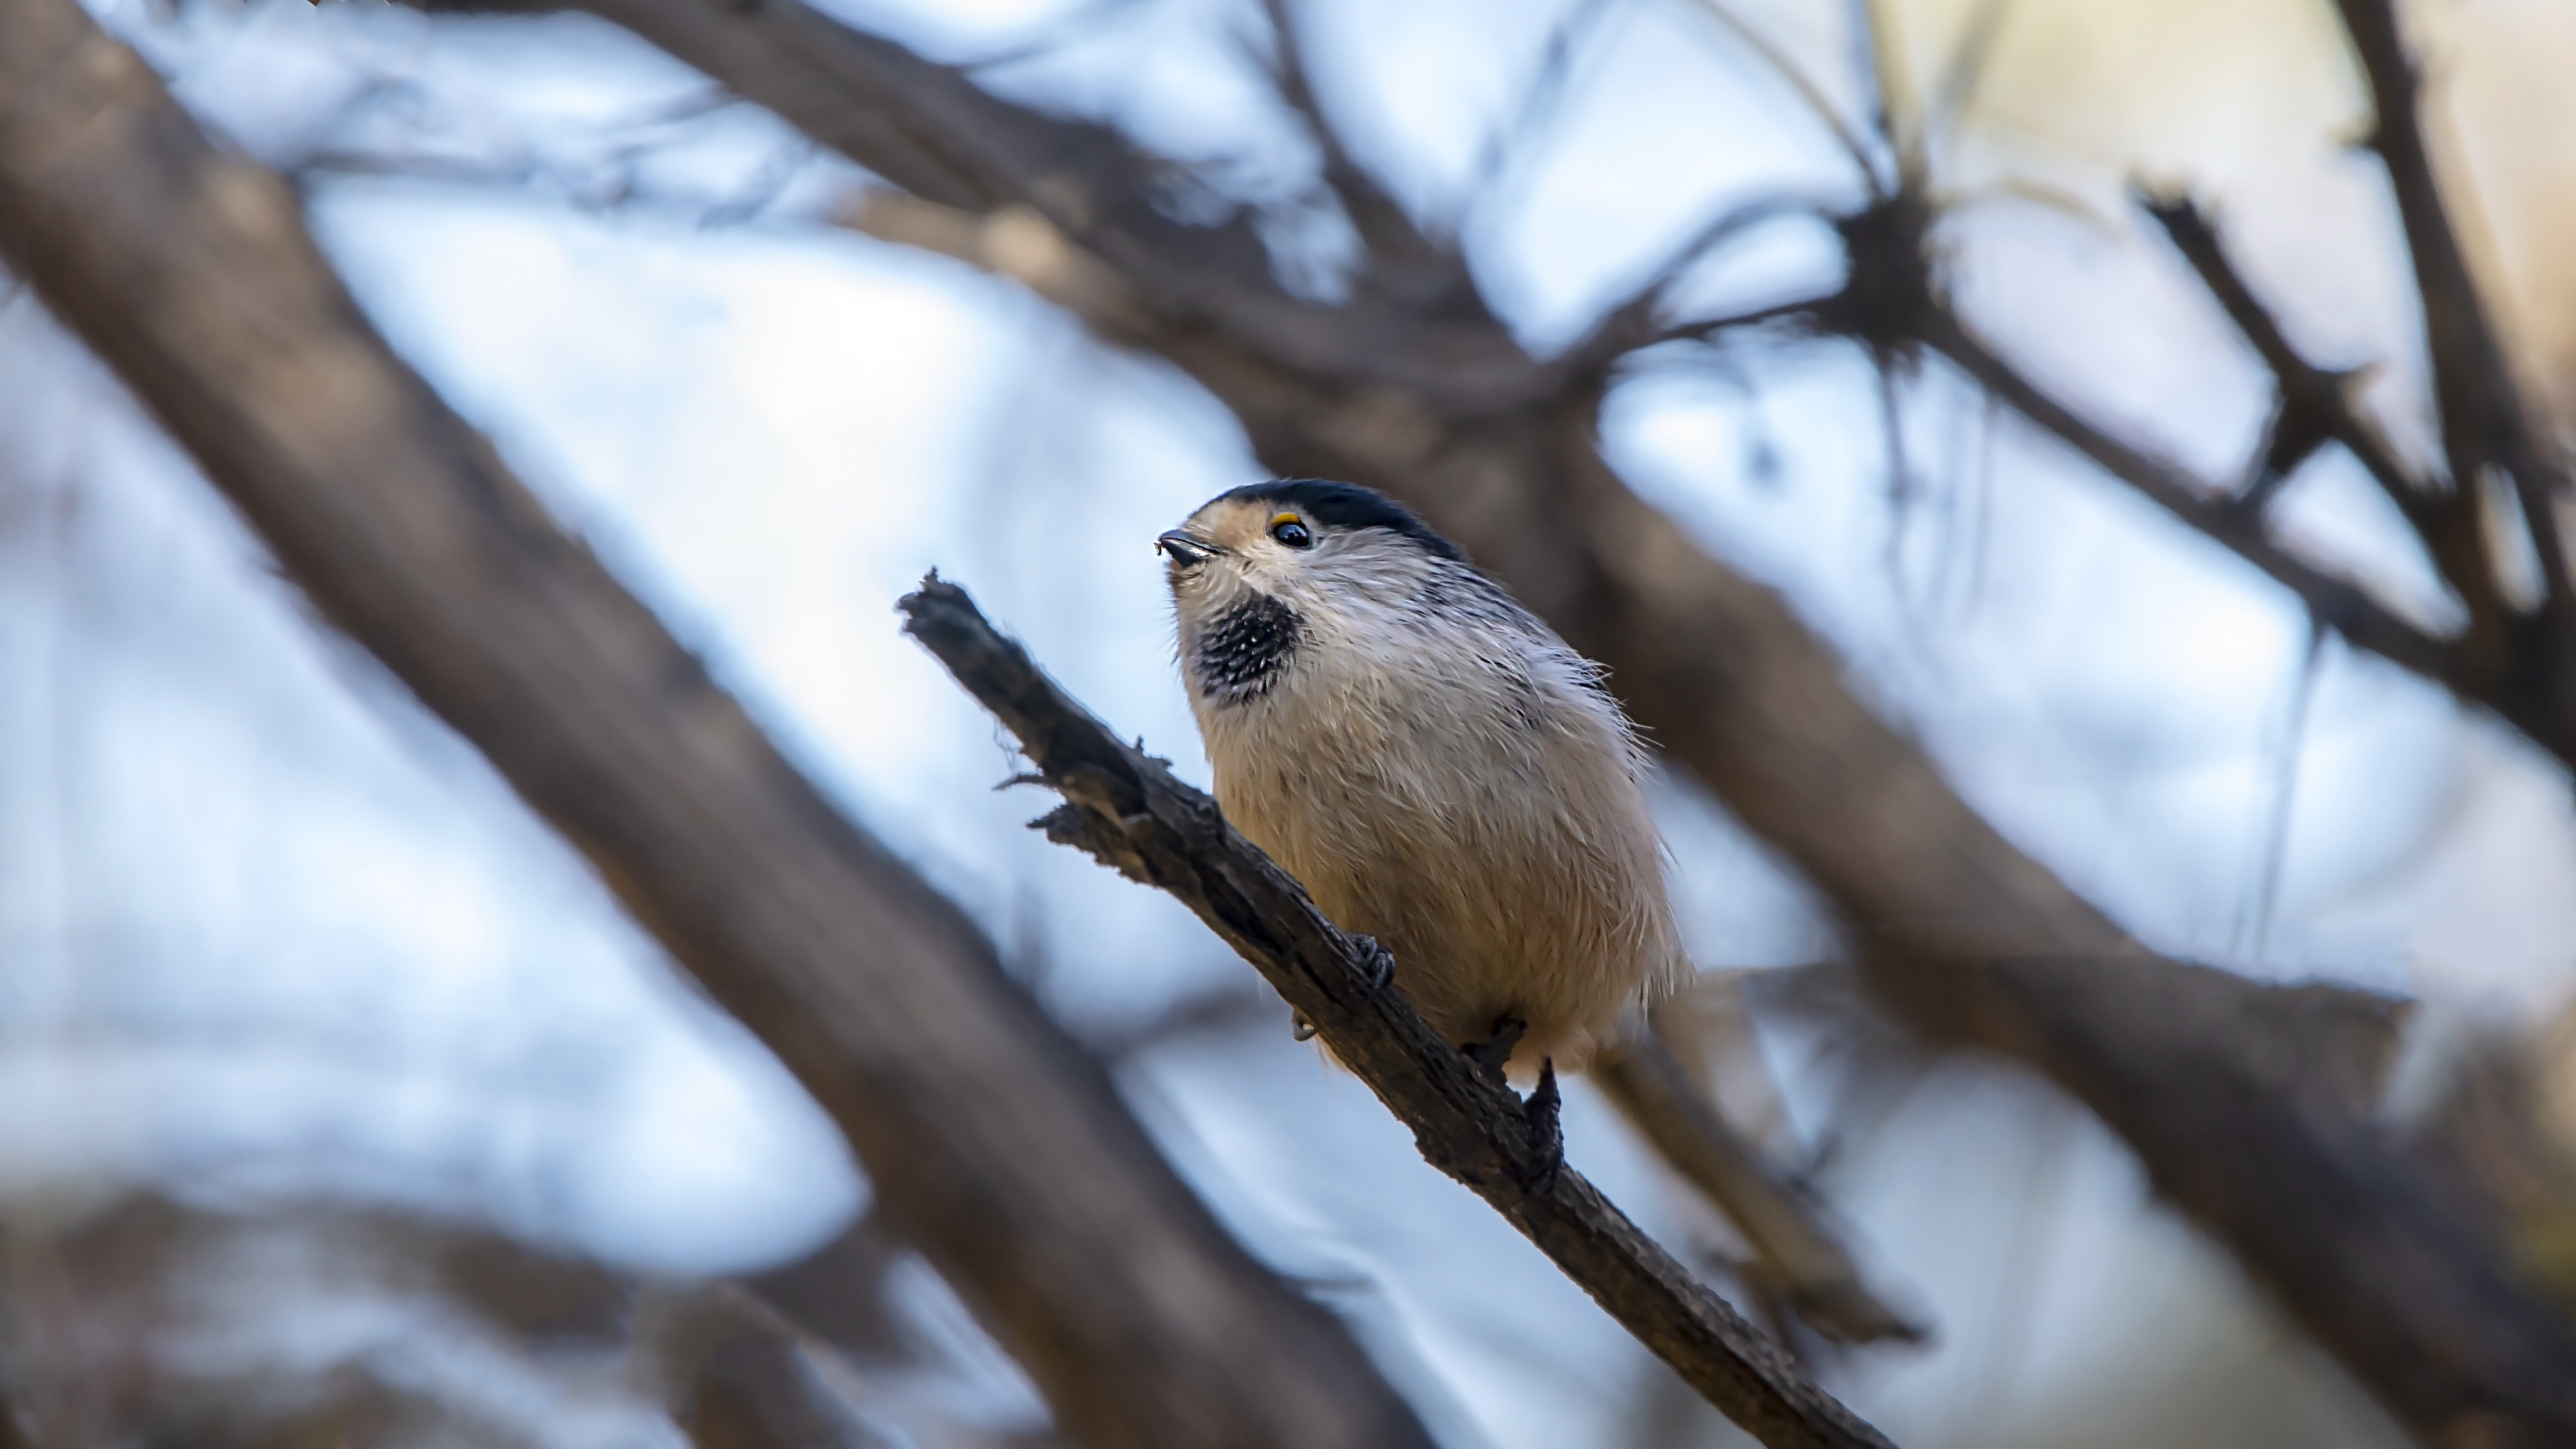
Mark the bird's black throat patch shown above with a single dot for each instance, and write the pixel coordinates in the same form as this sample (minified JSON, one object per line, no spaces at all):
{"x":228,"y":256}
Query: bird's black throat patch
{"x":1246,"y":649}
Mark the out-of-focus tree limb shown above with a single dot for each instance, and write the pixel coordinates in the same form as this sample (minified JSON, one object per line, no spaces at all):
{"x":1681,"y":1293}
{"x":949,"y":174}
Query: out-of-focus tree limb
{"x":1892,"y":301}
{"x":1805,"y":1263}
{"x":993,"y":1143}
{"x":2337,"y":602}
{"x":2517,"y":658}
{"x":2507,"y":1122}
{"x":1972,"y":941}
{"x":737,"y":1375}
{"x":106,"y":1316}
{"x":2314,"y":406}
{"x":1125,"y":808}
{"x":2504,"y":659}
{"x":2475,"y":667}
{"x":2485,"y":420}
{"x":1406,"y":264}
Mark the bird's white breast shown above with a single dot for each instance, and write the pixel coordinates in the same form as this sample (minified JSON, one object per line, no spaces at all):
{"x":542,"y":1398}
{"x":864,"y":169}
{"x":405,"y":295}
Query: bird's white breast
{"x":1456,"y":786}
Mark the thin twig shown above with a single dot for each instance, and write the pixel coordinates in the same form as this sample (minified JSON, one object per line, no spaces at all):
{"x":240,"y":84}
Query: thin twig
{"x":2485,"y":419}
{"x":1597,"y":352}
{"x":2341,"y":604}
{"x":1809,"y":94}
{"x":1125,"y":808}
{"x":2313,"y":401}
{"x":1538,"y":101}
{"x":2285,"y":793}
{"x":1637,"y":320}
{"x":1400,"y":255}
{"x":1961,"y":75}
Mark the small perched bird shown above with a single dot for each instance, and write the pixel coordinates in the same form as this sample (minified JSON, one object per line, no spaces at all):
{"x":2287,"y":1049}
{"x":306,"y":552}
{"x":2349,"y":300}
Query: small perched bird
{"x":1438,"y":769}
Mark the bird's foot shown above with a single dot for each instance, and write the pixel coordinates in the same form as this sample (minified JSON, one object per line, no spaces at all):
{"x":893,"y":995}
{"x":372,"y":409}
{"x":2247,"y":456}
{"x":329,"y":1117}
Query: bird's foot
{"x":1547,"y":1129}
{"x":1496,"y":1049}
{"x":1381,"y":961}
{"x":1299,"y":1027}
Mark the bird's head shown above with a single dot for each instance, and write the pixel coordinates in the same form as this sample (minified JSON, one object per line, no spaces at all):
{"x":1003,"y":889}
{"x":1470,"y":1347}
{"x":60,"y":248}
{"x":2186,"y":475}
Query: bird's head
{"x":1294,"y":537}
{"x":1257,"y":572}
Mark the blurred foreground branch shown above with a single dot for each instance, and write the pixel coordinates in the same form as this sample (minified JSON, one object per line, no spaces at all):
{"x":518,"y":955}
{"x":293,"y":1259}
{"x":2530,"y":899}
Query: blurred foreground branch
{"x":1125,"y":808}
{"x":1963,"y":936}
{"x":994,"y":1144}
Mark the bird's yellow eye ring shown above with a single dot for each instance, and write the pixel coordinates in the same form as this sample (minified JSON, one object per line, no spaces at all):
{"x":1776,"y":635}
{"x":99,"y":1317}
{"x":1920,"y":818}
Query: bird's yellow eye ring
{"x":1291,"y":530}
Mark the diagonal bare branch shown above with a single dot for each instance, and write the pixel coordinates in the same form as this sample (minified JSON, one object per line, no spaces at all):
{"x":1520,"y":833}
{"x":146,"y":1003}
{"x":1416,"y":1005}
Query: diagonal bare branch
{"x":1128,"y":810}
{"x":2468,"y":667}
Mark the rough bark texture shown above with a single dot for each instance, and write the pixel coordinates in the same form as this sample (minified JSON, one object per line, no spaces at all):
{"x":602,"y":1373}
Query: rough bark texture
{"x":1125,"y":808}
{"x":993,"y":1143}
{"x":1412,"y":386}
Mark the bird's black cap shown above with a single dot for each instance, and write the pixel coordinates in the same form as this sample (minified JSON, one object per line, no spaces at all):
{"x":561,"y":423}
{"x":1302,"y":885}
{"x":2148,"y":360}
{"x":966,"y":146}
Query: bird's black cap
{"x":1346,"y":505}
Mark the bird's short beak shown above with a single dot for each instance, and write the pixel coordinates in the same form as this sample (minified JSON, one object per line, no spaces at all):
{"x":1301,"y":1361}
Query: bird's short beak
{"x":1184,"y":549}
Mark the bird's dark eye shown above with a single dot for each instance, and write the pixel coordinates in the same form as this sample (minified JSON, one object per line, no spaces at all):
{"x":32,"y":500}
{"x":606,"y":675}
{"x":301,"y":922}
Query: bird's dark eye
{"x":1289,"y":531}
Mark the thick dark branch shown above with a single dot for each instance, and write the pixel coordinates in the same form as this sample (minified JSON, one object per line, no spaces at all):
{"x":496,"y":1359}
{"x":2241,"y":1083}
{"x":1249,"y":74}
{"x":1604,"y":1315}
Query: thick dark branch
{"x":2486,"y":422}
{"x":2314,"y":403}
{"x":1125,"y":808}
{"x":992,"y":1142}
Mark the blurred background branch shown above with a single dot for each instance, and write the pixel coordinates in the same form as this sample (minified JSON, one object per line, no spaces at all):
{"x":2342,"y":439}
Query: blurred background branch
{"x":1802,"y":1263}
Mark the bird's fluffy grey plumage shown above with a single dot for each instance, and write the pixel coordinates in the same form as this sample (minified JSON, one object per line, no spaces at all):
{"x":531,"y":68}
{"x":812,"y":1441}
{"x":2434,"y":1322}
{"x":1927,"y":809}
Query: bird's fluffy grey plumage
{"x":1436,"y":767}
